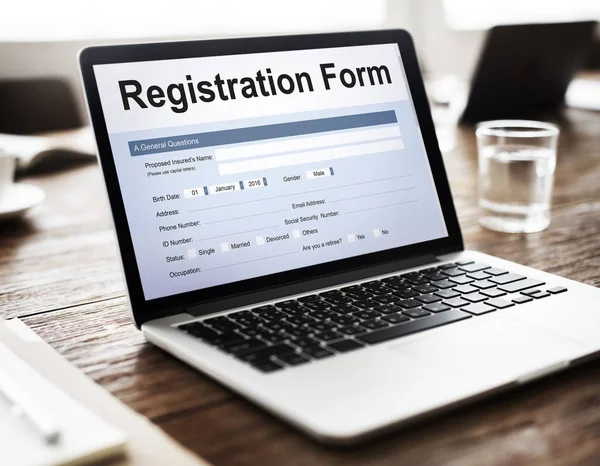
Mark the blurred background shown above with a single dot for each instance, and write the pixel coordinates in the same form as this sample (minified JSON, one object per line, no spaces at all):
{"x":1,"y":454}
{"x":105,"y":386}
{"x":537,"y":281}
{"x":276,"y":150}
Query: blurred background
{"x":41,"y":38}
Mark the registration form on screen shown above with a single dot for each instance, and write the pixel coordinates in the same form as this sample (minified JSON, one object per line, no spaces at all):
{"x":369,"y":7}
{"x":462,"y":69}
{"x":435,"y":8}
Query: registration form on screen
{"x":235,"y":167}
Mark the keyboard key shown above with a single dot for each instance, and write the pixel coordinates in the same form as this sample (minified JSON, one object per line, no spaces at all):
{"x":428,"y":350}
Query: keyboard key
{"x":344,"y":309}
{"x":465,"y":289}
{"x":249,"y":332}
{"x":351,"y":288}
{"x":273,"y":316}
{"x":265,"y":365}
{"x":557,"y":289}
{"x":352,"y":330}
{"x":373,"y":324}
{"x":474,"y":267}
{"x":265,"y":308}
{"x":425,"y":289}
{"x":304,"y":342}
{"x":271,"y":326}
{"x":522,"y":299}
{"x":478,"y":308}
{"x":338,"y":301}
{"x":395,"y":318}
{"x":454,"y":272}
{"x":495,"y":271}
{"x":323,"y":315}
{"x":520,"y":285}
{"x":385,"y":299}
{"x":443,"y":284}
{"x":265,"y":353}
{"x":345,"y":345}
{"x":300,"y":321}
{"x":544,"y":294}
{"x":273,"y":337}
{"x":493,"y":292}
{"x":506,"y":278}
{"x":406,"y":294}
{"x":428,"y":270}
{"x":408,"y":303}
{"x":464,"y":262}
{"x":344,"y":320}
{"x":295,"y":312}
{"x":365,"y":304}
{"x":436,"y":307}
{"x":366,"y":315}
{"x":531,"y":292}
{"x":241,"y":315}
{"x":317,"y":352}
{"x":397,"y":286}
{"x":298,"y":332}
{"x":447,"y":294}
{"x":224,"y":326}
{"x":461,"y":280}
{"x":317,"y":305}
{"x":329,"y":335}
{"x":456,"y":302}
{"x":288,"y":304}
{"x":322,"y":326}
{"x":475,"y":297}
{"x":500,"y":303}
{"x":310,"y":297}
{"x":436,"y":276}
{"x":387,"y":309}
{"x":450,"y":265}
{"x":229,"y":338}
{"x":392,"y":280}
{"x":481,"y":275}
{"x":418,"y":280}
{"x":483,"y":284}
{"x":416,"y":313}
{"x":408,"y":328}
{"x":292,"y":359}
{"x":428,"y":298}
{"x":331,"y":294}
{"x":244,"y":346}
{"x":362,"y":294}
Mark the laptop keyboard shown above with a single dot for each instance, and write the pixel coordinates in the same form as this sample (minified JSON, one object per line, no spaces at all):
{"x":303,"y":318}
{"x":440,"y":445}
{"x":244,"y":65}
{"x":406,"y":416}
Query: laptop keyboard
{"x":317,"y":326}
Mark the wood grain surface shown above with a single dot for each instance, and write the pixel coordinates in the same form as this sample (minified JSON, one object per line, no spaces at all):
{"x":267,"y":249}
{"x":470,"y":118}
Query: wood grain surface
{"x":59,"y":271}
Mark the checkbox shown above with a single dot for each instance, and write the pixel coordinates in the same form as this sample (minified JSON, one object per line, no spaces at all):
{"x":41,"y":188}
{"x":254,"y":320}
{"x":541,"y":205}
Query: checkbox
{"x":351,"y":238}
{"x":260,"y":240}
{"x":224,"y":247}
{"x":376,"y":232}
{"x":296,"y":233}
{"x":191,"y":253}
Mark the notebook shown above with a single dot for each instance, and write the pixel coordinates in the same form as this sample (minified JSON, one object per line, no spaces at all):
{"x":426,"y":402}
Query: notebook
{"x":84,"y":437}
{"x":115,"y":428}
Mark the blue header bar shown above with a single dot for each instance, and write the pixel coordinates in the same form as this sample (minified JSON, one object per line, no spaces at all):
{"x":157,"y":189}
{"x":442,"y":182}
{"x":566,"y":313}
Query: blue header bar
{"x":258,"y":133}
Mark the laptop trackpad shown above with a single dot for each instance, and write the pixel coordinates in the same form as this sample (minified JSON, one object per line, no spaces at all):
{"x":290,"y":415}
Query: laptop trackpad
{"x":493,"y":348}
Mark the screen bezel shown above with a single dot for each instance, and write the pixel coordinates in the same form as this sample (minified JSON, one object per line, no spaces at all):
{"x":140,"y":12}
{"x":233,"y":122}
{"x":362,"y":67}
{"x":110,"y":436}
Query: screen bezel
{"x":144,"y":310}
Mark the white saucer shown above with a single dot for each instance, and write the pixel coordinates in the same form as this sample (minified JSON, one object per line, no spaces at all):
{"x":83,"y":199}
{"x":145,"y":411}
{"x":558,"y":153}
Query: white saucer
{"x":18,"y":199}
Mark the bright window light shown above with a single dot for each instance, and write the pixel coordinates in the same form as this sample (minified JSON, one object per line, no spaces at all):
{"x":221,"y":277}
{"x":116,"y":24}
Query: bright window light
{"x":483,"y":14}
{"x":28,"y":20}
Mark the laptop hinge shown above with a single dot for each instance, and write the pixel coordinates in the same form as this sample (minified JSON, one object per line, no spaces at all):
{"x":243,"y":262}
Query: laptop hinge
{"x":308,"y":285}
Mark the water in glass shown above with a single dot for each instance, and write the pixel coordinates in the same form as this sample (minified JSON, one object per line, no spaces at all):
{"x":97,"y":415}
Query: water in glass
{"x":515,"y":183}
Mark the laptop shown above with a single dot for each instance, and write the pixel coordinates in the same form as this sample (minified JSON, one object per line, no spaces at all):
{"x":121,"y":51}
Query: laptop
{"x":286,"y":227}
{"x":524,"y":70}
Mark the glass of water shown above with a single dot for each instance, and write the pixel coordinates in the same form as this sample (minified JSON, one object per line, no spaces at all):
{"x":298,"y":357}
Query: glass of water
{"x":517,"y":159}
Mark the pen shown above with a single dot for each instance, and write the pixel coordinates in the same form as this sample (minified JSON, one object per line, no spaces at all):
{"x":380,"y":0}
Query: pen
{"x":38,"y":420}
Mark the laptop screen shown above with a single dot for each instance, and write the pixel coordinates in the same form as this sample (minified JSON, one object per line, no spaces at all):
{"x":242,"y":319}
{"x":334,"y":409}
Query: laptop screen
{"x":242,"y":166}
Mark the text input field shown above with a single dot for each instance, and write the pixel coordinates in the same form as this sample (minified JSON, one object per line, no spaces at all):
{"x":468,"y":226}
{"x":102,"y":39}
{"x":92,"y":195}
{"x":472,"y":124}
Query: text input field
{"x":298,"y":158}
{"x":305,"y":143}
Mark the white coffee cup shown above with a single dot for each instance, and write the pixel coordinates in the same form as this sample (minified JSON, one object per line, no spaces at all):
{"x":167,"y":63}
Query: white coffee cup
{"x":8,"y":164}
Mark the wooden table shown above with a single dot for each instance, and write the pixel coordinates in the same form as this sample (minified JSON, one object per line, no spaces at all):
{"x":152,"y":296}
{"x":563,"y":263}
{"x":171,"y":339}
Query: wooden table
{"x":59,"y":273}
